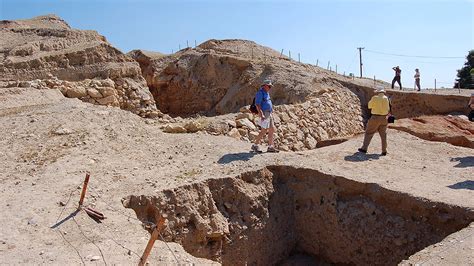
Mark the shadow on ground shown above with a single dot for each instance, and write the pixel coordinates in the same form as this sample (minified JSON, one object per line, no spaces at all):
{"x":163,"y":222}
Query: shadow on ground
{"x":74,"y":213}
{"x":360,"y":157}
{"x":467,"y":161}
{"x":231,"y":157}
{"x":468,"y":184}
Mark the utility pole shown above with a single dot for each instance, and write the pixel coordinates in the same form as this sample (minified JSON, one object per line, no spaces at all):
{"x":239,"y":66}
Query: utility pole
{"x":360,"y":59}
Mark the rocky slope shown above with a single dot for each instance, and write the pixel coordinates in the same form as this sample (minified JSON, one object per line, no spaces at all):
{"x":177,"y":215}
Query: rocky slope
{"x":45,"y":52}
{"x":301,"y":126}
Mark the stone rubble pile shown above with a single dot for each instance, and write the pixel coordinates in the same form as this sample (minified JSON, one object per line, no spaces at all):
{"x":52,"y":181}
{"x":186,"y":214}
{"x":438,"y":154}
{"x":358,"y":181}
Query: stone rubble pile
{"x":122,"y":92}
{"x":332,"y":115}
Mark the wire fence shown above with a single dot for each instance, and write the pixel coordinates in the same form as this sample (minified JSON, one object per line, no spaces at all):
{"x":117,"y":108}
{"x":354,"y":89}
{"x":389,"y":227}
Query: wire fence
{"x":104,"y":228}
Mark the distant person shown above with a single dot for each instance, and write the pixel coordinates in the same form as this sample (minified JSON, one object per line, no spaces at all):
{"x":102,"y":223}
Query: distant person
{"x":379,"y":107}
{"x":417,"y":79}
{"x":265,"y":111}
{"x":397,"y":78}
{"x":471,"y":106}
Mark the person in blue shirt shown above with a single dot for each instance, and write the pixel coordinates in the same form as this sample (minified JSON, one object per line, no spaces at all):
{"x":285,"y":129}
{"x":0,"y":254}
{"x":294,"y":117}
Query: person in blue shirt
{"x":265,"y":110}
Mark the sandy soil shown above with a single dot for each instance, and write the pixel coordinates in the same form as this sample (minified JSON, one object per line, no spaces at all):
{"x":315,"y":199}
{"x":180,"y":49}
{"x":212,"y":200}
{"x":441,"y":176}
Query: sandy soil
{"x":49,"y":142}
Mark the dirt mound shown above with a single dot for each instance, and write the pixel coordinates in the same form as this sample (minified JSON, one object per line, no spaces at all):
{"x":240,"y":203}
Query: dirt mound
{"x":47,"y":53}
{"x":451,"y":129}
{"x":219,"y":77}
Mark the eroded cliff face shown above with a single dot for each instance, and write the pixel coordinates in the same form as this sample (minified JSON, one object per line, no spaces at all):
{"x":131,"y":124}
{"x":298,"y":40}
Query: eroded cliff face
{"x":45,"y":52}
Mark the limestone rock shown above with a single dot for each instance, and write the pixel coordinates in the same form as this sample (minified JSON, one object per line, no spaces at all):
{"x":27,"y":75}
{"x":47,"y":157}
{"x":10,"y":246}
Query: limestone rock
{"x":62,"y":131}
{"x":109,"y":100}
{"x":249,"y":116}
{"x":253,"y":136}
{"x":243,"y":132}
{"x":220,"y":128}
{"x":94,"y":93}
{"x":173,"y":128}
{"x":245,"y":122}
{"x":310,"y":142}
{"x":193,"y":126}
{"x":231,"y":123}
{"x":106,"y":91}
{"x":234,"y":133}
{"x":76,"y":92}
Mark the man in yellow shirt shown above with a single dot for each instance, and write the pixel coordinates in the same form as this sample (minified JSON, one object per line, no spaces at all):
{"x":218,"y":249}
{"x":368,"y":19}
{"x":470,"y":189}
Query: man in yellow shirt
{"x":379,"y":107}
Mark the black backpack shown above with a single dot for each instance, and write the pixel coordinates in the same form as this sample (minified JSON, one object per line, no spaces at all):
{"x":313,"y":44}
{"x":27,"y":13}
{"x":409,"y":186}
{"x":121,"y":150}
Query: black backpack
{"x":253,"y":107}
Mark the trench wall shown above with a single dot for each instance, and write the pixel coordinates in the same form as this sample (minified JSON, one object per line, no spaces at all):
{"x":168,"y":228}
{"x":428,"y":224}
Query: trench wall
{"x":262,"y":217}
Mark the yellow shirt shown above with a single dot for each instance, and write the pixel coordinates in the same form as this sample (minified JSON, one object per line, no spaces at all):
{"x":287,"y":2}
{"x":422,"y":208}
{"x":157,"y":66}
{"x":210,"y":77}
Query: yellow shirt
{"x":379,"y":105}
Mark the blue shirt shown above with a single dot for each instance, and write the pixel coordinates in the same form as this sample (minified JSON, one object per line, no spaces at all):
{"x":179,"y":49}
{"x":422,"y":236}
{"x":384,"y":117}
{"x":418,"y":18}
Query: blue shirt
{"x":263,"y":99}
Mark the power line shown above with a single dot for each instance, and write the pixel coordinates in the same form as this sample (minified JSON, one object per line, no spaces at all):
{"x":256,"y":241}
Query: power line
{"x":385,"y":59}
{"x":418,"y":56}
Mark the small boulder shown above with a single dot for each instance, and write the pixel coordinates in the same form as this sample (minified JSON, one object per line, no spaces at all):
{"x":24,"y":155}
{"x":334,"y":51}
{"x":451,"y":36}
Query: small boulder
{"x":245,"y":122}
{"x":94,"y":93}
{"x":231,"y":123}
{"x":284,"y":117}
{"x":193,"y":126}
{"x":109,"y":100}
{"x":310,"y":142}
{"x":76,"y":92}
{"x":253,"y":136}
{"x":249,"y":116}
{"x":106,"y":91}
{"x":174,"y":129}
{"x":243,"y":132}
{"x":234,"y":133}
{"x":62,"y":131}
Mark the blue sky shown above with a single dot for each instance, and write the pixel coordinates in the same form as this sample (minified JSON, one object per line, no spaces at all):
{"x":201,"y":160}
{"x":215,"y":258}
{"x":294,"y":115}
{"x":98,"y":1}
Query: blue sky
{"x":318,"y":30}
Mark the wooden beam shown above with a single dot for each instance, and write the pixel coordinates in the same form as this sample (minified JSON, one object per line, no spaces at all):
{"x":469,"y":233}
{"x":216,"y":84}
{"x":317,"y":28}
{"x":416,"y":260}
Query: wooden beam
{"x":154,"y":235}
{"x":84,"y":188}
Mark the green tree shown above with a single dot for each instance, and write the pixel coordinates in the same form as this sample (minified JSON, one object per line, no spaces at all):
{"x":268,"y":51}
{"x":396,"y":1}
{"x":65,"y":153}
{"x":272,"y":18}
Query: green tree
{"x":465,"y":79}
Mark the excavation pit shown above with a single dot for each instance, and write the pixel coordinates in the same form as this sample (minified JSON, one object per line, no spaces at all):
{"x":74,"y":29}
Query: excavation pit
{"x":285,"y":215}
